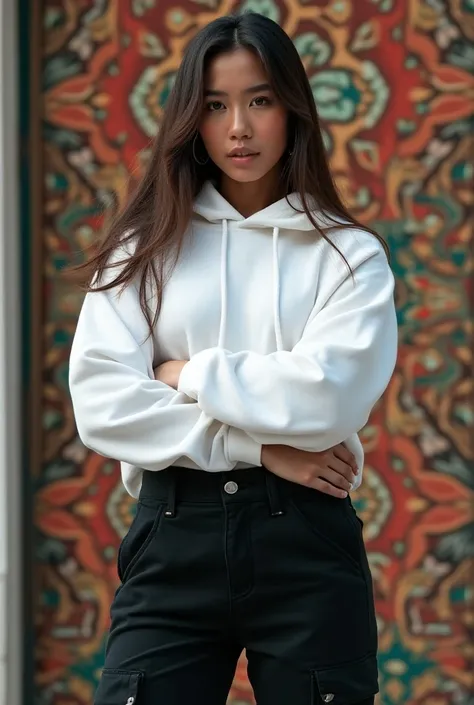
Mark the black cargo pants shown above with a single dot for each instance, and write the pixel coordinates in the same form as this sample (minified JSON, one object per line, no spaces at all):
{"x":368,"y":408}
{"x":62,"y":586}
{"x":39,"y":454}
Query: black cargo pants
{"x":215,"y":563}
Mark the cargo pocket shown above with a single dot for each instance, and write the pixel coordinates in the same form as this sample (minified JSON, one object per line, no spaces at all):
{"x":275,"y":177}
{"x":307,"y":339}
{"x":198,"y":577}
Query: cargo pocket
{"x":118,"y":687}
{"x":346,"y":684}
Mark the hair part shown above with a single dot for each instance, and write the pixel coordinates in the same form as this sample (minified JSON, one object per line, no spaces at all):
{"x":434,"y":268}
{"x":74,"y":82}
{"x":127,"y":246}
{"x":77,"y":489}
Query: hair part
{"x":158,"y":213}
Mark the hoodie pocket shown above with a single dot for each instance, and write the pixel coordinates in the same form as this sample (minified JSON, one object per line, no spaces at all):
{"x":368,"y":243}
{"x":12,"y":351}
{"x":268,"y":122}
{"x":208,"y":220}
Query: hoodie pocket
{"x":347,"y":683}
{"x":118,"y":687}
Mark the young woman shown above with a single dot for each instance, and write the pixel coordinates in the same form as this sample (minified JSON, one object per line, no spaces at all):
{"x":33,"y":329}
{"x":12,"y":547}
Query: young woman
{"x":239,"y":328}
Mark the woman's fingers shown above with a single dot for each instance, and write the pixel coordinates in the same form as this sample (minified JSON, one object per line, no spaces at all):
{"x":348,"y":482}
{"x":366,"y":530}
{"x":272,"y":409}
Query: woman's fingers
{"x":342,"y":468}
{"x":336,"y":479}
{"x":341,"y":452}
{"x":328,"y":488}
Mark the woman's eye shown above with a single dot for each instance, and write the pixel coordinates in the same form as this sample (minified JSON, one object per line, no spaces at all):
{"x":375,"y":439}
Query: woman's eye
{"x":214,"y":105}
{"x":261,"y":101}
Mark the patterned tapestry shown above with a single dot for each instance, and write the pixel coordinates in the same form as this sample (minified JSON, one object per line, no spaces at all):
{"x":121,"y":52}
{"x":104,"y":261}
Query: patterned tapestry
{"x":393,"y":83}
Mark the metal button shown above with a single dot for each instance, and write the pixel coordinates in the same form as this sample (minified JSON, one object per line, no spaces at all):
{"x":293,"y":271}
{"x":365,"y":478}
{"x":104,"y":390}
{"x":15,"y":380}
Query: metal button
{"x":231,"y":487}
{"x":328,"y":698}
{"x":130,"y":701}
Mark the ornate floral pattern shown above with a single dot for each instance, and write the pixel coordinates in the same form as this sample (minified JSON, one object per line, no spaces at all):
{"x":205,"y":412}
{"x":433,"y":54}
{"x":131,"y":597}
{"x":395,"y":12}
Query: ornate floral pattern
{"x":393,"y":83}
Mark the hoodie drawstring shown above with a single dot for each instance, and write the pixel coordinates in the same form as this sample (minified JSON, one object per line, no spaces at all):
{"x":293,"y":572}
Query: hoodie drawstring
{"x":224,"y":256}
{"x":276,"y":291}
{"x":276,"y":287}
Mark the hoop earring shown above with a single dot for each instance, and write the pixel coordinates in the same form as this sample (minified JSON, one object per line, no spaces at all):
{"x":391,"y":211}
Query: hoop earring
{"x":201,"y":163}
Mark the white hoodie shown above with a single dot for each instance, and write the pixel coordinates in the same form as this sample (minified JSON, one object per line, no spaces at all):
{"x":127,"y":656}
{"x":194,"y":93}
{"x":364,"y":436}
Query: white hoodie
{"x":285,"y":346}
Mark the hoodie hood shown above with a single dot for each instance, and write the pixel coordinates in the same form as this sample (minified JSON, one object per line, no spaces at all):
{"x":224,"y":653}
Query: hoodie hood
{"x":285,"y":214}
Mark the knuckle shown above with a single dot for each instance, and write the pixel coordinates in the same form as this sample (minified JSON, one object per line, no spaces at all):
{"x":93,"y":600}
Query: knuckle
{"x":307,"y":478}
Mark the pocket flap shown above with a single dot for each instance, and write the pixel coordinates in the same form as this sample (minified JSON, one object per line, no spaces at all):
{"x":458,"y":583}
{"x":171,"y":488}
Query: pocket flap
{"x":118,"y":687}
{"x":348,"y":683}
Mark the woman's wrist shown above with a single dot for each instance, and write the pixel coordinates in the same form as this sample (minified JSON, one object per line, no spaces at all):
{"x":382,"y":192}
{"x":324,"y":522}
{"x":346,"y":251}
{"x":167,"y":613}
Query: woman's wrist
{"x":266,"y":455}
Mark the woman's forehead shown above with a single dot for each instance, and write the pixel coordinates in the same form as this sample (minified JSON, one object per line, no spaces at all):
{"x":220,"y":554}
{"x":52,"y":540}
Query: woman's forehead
{"x":236,"y":71}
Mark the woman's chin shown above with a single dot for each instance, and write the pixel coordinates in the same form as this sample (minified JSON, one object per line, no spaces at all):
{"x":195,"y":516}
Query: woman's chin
{"x":244,"y":176}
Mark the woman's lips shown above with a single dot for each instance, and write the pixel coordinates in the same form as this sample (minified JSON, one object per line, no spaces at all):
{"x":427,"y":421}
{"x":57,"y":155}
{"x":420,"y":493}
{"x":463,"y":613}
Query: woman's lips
{"x":242,"y":160}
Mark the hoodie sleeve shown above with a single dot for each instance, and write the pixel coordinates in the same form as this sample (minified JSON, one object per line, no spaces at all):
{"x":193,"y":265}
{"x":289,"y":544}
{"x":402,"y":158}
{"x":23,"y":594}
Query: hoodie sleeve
{"x":321,"y":392}
{"x":121,"y":411}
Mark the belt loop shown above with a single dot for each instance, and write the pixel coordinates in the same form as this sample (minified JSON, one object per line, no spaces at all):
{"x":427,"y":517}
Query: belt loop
{"x":273,"y":495}
{"x":171,"y":508}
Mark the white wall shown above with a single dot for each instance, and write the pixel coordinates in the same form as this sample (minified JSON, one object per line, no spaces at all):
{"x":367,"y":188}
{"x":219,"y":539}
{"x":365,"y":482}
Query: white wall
{"x":11,"y":631}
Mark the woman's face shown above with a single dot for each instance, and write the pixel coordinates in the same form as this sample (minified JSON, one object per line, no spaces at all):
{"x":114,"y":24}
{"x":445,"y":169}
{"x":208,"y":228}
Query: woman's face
{"x":244,"y":126}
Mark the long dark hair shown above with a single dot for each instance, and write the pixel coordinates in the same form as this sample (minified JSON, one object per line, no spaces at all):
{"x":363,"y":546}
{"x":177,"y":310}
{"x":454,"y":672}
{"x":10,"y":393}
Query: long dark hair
{"x":159,"y":211}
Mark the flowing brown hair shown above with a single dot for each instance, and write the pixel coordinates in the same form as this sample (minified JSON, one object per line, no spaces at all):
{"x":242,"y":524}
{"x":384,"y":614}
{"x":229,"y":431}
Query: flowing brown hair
{"x":158,"y":213}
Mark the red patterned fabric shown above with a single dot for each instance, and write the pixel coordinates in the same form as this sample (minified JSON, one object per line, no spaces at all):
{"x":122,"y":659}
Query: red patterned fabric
{"x":394,"y":88}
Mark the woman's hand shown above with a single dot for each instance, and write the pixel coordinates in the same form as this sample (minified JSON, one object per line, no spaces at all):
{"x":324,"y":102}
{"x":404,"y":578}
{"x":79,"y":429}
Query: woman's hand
{"x":169,"y":372}
{"x":331,"y":472}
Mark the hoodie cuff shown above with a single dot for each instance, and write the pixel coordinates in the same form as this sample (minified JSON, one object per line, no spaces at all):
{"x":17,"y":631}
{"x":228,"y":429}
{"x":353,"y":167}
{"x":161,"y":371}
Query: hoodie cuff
{"x":185,"y":382}
{"x":193,"y":373}
{"x":243,"y":449}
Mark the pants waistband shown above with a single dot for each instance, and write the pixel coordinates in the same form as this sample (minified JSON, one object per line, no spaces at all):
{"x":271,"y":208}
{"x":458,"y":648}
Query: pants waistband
{"x":176,"y":484}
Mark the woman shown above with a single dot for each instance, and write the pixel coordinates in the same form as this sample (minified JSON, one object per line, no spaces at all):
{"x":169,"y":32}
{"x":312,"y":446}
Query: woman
{"x":238,"y":330}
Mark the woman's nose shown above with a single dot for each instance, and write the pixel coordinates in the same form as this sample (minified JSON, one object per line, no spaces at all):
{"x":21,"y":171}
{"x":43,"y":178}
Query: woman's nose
{"x":240,"y":128}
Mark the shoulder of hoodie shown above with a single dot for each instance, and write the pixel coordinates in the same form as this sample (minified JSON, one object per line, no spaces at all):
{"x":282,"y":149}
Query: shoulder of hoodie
{"x":365,"y":255}
{"x":118,"y":261}
{"x":126,"y":249}
{"x":356,"y":244}
{"x":119,"y":257}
